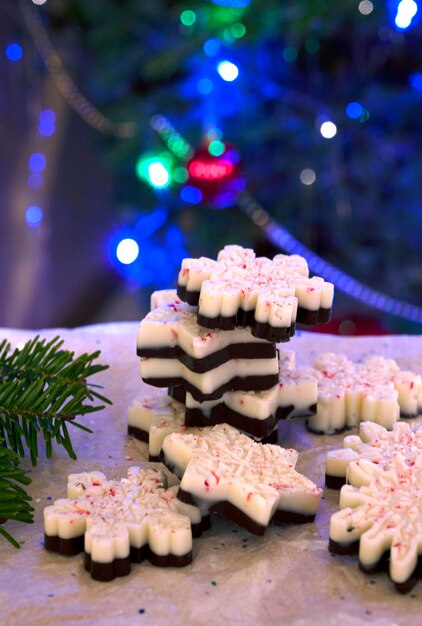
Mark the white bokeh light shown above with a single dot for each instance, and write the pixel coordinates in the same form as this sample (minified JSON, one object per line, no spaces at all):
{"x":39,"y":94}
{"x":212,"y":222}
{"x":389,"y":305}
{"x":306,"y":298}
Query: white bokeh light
{"x":307,"y":176}
{"x":328,"y":130}
{"x":158,"y":174}
{"x":228,"y":71}
{"x":127,"y":251}
{"x":366,"y":7}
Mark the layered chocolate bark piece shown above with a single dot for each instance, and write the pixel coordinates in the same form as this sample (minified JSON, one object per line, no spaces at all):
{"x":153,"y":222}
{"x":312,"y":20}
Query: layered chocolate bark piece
{"x":249,"y":483}
{"x":381,"y":518}
{"x":375,"y":444}
{"x":374,"y":390}
{"x":240,"y":289}
{"x":116,"y":522}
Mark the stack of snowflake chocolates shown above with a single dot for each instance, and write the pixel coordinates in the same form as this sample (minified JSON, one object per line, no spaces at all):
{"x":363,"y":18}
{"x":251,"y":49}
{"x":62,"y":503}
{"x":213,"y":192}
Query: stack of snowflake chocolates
{"x":213,"y":345}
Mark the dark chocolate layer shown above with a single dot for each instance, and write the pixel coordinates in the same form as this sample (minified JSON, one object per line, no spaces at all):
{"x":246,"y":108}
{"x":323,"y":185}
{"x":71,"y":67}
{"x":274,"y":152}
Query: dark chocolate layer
{"x":104,"y":572}
{"x":323,"y":432}
{"x":248,"y":383}
{"x":68,"y":547}
{"x":310,"y":318}
{"x":381,"y":566}
{"x":238,"y":517}
{"x":262,"y":330}
{"x":334,"y":482}
{"x":222,"y":414}
{"x":247,"y":318}
{"x":233,"y":351}
{"x":138,"y":433}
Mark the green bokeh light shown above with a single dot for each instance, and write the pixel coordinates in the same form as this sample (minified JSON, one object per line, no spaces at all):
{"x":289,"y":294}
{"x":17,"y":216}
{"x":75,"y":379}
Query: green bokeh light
{"x":180,"y":174}
{"x":188,"y":18}
{"x":216,"y":148}
{"x":238,"y":30}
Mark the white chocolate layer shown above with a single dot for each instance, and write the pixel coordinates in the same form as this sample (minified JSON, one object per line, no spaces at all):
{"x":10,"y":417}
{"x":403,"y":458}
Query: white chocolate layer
{"x":174,"y":325}
{"x":375,"y":390}
{"x":239,"y":280}
{"x":210,"y":381}
{"x":159,"y":415}
{"x":115,"y":515}
{"x":385,"y":513}
{"x":226,"y":466}
{"x":376,"y":444}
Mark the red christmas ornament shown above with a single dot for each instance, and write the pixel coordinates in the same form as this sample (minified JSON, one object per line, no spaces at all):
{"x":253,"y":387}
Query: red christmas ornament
{"x":217,"y":178}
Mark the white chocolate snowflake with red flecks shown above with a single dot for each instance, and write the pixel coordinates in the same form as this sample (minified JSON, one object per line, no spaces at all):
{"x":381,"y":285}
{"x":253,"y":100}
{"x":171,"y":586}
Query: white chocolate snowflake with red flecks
{"x":375,"y":390}
{"x":115,"y":516}
{"x":385,"y":514}
{"x":376,"y":444}
{"x":270,"y":290}
{"x":258,"y":480}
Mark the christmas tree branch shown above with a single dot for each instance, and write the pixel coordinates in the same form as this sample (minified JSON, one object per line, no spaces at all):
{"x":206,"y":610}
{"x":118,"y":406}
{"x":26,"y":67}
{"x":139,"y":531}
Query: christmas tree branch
{"x":42,"y":389}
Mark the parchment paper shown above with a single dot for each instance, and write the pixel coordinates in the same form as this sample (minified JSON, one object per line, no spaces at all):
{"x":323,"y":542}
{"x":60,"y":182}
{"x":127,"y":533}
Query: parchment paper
{"x":286,"y":577}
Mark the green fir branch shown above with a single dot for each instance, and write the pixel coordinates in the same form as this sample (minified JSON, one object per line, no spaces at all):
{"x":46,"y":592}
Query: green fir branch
{"x":43,"y":388}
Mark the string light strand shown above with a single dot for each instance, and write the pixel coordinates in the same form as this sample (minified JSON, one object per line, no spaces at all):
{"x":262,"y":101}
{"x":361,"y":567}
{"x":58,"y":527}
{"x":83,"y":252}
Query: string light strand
{"x":283,"y":239}
{"x":64,"y":82}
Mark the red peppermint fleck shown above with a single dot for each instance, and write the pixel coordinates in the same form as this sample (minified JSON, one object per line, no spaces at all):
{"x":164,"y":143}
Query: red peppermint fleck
{"x":216,"y":476}
{"x":249,"y":496}
{"x":96,"y":483}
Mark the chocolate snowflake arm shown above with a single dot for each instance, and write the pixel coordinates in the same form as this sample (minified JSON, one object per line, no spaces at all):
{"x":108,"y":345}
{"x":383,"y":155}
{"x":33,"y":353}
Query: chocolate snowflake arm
{"x":375,"y":444}
{"x":384,"y":514}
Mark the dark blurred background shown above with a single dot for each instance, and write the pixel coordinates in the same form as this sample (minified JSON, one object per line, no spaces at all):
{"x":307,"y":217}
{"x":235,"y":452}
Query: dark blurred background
{"x":137,"y":132}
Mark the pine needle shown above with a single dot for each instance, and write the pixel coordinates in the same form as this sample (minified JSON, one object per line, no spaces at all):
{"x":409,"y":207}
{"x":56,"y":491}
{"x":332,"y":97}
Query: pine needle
{"x":43,"y":388}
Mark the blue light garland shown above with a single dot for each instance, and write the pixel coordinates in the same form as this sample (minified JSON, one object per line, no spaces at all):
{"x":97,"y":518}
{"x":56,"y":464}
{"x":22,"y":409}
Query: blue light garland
{"x":283,"y":239}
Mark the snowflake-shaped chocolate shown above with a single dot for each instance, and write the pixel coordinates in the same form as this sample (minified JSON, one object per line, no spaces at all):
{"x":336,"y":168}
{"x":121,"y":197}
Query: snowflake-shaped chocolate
{"x":375,"y":390}
{"x":385,"y":514}
{"x":376,"y":444}
{"x":241,"y":290}
{"x":249,"y":483}
{"x":117,"y":522}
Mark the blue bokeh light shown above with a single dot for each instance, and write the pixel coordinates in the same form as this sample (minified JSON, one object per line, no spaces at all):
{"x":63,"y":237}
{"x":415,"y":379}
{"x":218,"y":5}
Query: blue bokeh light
{"x":354,"y":110}
{"x":37,"y":162}
{"x":35,"y":181}
{"x":205,"y":86}
{"x":14,"y":52}
{"x":415,"y":81}
{"x":212,"y":47}
{"x":47,"y":116}
{"x":233,"y":4}
{"x":191,"y":195}
{"x":228,"y":71}
{"x":33,"y":216}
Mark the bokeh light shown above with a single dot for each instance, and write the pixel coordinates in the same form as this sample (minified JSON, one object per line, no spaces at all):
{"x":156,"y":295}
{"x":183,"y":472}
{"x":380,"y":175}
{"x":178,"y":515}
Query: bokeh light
{"x":365,"y":7}
{"x":307,"y":176}
{"x":354,"y":110}
{"x":37,"y":162}
{"x":33,"y":216}
{"x":228,"y":71}
{"x":14,"y":52}
{"x":158,"y":174}
{"x":328,"y":130}
{"x":127,"y":251}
